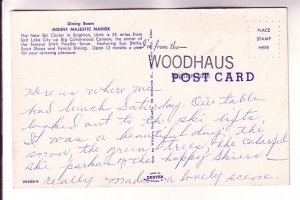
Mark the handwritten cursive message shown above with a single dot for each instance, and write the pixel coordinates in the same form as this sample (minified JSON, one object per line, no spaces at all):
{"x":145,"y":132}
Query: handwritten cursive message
{"x":79,"y":132}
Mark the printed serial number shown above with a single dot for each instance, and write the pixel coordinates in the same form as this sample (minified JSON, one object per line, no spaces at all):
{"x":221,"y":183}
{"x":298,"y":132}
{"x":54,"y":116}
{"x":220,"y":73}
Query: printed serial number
{"x":30,"y":181}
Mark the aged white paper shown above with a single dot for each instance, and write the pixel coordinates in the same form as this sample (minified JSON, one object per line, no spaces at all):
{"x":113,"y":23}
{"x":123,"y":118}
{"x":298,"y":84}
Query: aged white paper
{"x":150,"y":97}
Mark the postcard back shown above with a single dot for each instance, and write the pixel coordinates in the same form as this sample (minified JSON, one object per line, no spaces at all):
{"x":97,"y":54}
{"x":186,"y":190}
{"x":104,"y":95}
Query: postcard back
{"x":167,"y":97}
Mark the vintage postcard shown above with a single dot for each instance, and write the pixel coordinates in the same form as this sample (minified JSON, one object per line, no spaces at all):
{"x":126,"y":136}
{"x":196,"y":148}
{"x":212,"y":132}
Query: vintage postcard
{"x":168,"y":97}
